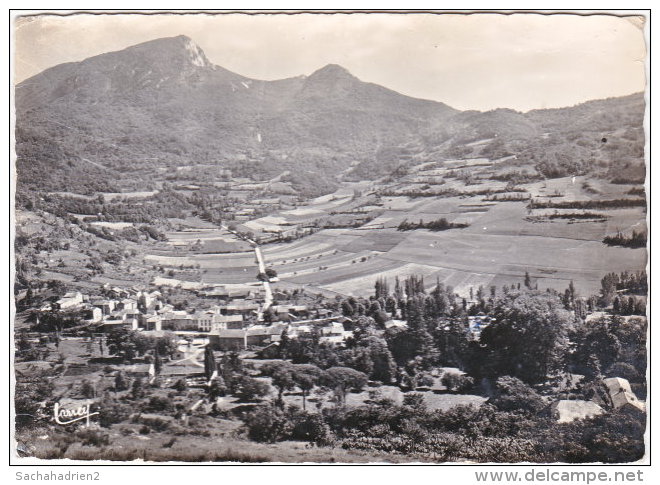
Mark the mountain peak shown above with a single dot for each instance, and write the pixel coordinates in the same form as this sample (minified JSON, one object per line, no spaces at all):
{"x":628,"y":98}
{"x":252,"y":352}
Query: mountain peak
{"x":178,"y":45}
{"x":332,"y":70}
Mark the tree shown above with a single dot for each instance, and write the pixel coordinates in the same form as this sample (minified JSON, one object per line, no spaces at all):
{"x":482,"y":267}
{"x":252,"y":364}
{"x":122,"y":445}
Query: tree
{"x":269,"y":315}
{"x":137,"y":389}
{"x":158,"y":363}
{"x":383,"y":366}
{"x":347,"y":309}
{"x":457,"y":382}
{"x":262,"y":276}
{"x":88,"y":390}
{"x":210,"y":365}
{"x":121,"y":342}
{"x":306,"y":377}
{"x":250,"y":389}
{"x":271,"y":273}
{"x":281,"y":374}
{"x":268,"y":424}
{"x":231,"y":370}
{"x":344,"y":380}
{"x":512,"y":394}
{"x":595,"y":340}
{"x":121,"y":383}
{"x":527,"y":340}
{"x":217,"y":388}
{"x":180,"y":385}
{"x":284,"y":343}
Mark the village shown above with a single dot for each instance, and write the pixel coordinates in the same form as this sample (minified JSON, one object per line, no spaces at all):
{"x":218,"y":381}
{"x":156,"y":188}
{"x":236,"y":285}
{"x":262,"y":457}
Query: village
{"x":235,"y":320}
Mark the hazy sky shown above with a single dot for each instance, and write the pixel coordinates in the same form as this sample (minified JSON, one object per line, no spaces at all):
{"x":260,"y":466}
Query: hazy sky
{"x":479,"y":61}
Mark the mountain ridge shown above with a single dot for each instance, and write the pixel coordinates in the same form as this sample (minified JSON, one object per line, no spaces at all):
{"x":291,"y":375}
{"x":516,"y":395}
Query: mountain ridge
{"x":163,"y":100}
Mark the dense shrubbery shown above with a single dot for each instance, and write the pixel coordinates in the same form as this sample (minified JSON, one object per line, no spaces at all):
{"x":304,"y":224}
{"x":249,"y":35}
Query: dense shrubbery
{"x":269,"y":423}
{"x":437,"y":225}
{"x":588,"y":204}
{"x":635,"y":240}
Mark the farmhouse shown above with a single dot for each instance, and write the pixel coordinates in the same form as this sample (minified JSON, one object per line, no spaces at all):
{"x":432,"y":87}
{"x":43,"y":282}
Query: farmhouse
{"x":260,"y":335}
{"x":228,"y":321}
{"x":107,"y":306}
{"x":240,"y":339}
{"x":566,"y":411}
{"x":293,"y":310}
{"x":151,"y":322}
{"x":210,"y":321}
{"x":621,"y":394}
{"x":220,"y":293}
{"x":240,"y":307}
{"x":228,"y":340}
{"x":70,"y":300}
{"x":93,"y":314}
{"x":127,"y":304}
{"x":111,"y":324}
{"x":178,"y":320}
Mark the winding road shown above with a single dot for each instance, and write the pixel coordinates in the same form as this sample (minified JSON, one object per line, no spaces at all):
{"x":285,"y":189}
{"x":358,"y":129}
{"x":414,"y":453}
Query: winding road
{"x":268,"y":299}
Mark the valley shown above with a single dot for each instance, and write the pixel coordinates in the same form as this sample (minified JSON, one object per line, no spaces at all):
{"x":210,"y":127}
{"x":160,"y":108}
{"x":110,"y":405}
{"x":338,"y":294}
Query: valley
{"x":206,"y":258}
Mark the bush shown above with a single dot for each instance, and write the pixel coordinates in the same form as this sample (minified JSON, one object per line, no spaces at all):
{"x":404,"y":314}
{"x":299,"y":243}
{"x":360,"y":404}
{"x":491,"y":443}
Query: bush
{"x":157,"y":403}
{"x":414,"y":400}
{"x":425,"y":380}
{"x":180,"y":385}
{"x":250,"y":389}
{"x":268,"y":424}
{"x":93,"y":437}
{"x":457,"y":382}
{"x":112,"y":412}
{"x":311,"y":427}
{"x":154,"y":423}
{"x":514,"y":395}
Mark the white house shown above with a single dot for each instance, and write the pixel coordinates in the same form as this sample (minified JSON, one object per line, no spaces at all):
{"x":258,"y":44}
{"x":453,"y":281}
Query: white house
{"x":70,"y":300}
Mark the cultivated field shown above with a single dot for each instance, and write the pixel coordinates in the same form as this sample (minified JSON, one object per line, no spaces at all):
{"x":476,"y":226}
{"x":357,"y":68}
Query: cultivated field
{"x":504,"y":240}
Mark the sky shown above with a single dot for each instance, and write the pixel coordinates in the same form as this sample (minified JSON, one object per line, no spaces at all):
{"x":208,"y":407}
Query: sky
{"x":479,"y":61}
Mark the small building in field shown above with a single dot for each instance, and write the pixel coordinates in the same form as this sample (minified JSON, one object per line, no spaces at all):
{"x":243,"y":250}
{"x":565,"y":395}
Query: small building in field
{"x":228,"y":340}
{"x":178,"y":320}
{"x":260,"y":335}
{"x":151,"y":322}
{"x":566,"y":411}
{"x":127,"y":304}
{"x":138,"y":370}
{"x":70,"y":300}
{"x":111,"y":324}
{"x":240,"y":307}
{"x":220,"y":293}
{"x":210,"y":321}
{"x":229,"y":322}
{"x":396,"y":324}
{"x":106,"y":306}
{"x":333,"y":329}
{"x":93,"y":314}
{"x":622,"y":395}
